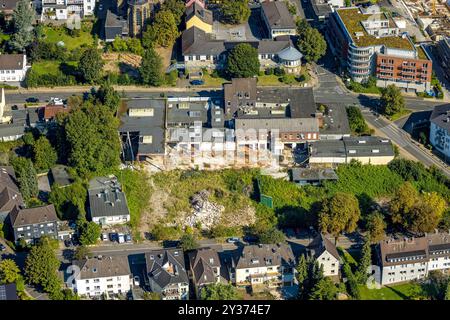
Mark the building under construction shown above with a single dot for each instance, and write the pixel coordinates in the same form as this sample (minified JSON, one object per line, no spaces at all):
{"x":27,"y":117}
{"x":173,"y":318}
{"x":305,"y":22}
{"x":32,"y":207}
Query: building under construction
{"x":433,"y":16}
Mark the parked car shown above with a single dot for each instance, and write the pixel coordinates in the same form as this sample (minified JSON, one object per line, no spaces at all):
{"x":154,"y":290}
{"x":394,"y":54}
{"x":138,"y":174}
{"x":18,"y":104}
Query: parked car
{"x":104,"y":236}
{"x":32,"y":100}
{"x":68,"y":243}
{"x":128,"y":237}
{"x":233,"y":240}
{"x":113,"y":236}
{"x":2,"y":247}
{"x":121,"y":237}
{"x":250,"y":239}
{"x":136,"y":281}
{"x":197,"y":82}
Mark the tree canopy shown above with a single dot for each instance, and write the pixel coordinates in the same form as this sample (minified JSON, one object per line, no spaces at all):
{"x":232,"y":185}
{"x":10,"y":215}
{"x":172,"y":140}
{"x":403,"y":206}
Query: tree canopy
{"x":219,"y":291}
{"x":234,"y":11}
{"x":23,"y":17}
{"x":311,"y":42}
{"x":44,"y":156}
{"x":9,"y":271}
{"x":90,"y":65}
{"x":164,"y":29}
{"x":242,"y":61}
{"x":151,"y":70}
{"x":392,"y":101}
{"x":26,"y":177}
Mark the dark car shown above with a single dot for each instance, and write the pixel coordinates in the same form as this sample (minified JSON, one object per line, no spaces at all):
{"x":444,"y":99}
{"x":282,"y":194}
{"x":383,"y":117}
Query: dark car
{"x":197,"y":82}
{"x":113,"y":236}
{"x":251,"y":239}
{"x":2,"y":247}
{"x":68,"y":243}
{"x":32,"y":100}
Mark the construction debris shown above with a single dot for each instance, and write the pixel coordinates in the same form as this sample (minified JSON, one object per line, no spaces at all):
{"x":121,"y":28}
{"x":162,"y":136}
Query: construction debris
{"x":204,"y":213}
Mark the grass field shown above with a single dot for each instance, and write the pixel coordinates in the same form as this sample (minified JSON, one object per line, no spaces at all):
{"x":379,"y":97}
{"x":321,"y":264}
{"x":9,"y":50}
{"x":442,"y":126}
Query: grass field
{"x":396,"y":292}
{"x":55,"y":35}
{"x":51,"y":67}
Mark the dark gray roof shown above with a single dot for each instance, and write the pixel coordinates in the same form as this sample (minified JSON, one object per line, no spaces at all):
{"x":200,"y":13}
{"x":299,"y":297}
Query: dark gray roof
{"x":328,"y":148}
{"x":197,"y":10}
{"x":335,"y":121}
{"x":152,"y":125}
{"x":305,"y":174}
{"x":11,"y":61}
{"x":321,"y":8}
{"x":27,"y":216}
{"x":196,"y":41}
{"x":282,"y":124}
{"x":278,"y":15}
{"x":61,"y":176}
{"x":263,"y":255}
{"x":203,"y":263}
{"x":8,"y":5}
{"x":268,"y":46}
{"x":367,"y":146}
{"x":106,"y":198}
{"x":17,"y":125}
{"x":102,"y":267}
{"x":181,"y":112}
{"x":441,"y":116}
{"x":320,"y":244}
{"x":166,"y":267}
{"x":8,"y":292}
{"x":10,"y":195}
{"x":114,"y":26}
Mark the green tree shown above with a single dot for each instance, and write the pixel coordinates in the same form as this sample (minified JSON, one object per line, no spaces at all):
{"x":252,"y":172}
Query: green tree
{"x":89,"y":134}
{"x":312,"y":44}
{"x":234,"y":11}
{"x":272,"y":236}
{"x":44,"y":156}
{"x":41,"y":267}
{"x":89,"y":232}
{"x":26,"y":177}
{"x":302,"y":269}
{"x":376,"y":226}
{"x":340,"y":213}
{"x":402,"y":204}
{"x":447,"y":292}
{"x":352,"y":283}
{"x":81,"y":252}
{"x":422,"y":218}
{"x":392,"y":101}
{"x":90,"y":65}
{"x":9,"y":271}
{"x":219,"y":291}
{"x":166,"y":28}
{"x":69,"y":201}
{"x":109,"y":97}
{"x":356,"y":120}
{"x":152,"y":296}
{"x":188,"y":242}
{"x":324,"y":289}
{"x":242,"y":61}
{"x":177,"y":7}
{"x":364,"y":263}
{"x":151,"y":70}
{"x":23,"y":17}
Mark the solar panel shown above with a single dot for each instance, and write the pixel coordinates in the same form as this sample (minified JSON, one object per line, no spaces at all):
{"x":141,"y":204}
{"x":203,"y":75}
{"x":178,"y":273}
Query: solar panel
{"x":2,"y":293}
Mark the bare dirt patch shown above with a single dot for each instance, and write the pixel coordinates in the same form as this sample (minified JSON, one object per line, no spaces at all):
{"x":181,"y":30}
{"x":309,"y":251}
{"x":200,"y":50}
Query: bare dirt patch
{"x":166,"y":55}
{"x":121,"y":62}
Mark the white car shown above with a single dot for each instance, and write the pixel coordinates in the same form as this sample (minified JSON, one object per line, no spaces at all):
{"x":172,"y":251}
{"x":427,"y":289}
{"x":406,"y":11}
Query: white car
{"x":136,"y":281}
{"x":121,"y":237}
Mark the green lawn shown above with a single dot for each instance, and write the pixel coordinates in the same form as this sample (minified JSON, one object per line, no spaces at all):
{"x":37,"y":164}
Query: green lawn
{"x":55,"y":35}
{"x":395,"y":292}
{"x":399,"y":115}
{"x":51,"y":66}
{"x":269,"y":80}
{"x":211,"y":81}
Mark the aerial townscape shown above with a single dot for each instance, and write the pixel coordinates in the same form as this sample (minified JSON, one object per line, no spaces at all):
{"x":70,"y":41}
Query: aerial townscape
{"x":224,"y":150}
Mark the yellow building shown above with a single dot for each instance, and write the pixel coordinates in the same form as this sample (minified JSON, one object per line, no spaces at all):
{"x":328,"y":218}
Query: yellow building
{"x":197,"y":16}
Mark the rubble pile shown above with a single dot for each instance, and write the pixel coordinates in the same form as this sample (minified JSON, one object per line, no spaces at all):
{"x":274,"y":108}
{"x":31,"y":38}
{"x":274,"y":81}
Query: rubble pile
{"x":204,"y":212}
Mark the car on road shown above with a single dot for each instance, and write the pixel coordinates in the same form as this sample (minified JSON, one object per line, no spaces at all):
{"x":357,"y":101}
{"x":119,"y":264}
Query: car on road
{"x":197,"y":82}
{"x":2,"y":247}
{"x":32,"y":100}
{"x":233,"y":240}
{"x":136,"y":281}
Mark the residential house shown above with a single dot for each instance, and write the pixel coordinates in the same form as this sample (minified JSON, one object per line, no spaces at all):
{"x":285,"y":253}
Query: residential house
{"x":102,"y":275}
{"x":167,"y":274}
{"x":64,"y":9}
{"x":114,"y":26}
{"x":440,"y":129}
{"x":14,"y":127}
{"x":312,"y":176}
{"x":264,"y":265}
{"x":197,"y":15}
{"x":142,"y":129}
{"x":7,"y":8}
{"x":367,"y":150}
{"x":278,"y":19}
{"x":8,"y":292}
{"x":13,"y":67}
{"x":30,"y":224}
{"x":10,"y":196}
{"x":368,"y":42}
{"x":443,"y":47}
{"x":206,"y":267}
{"x":107,"y":202}
{"x":325,"y":253}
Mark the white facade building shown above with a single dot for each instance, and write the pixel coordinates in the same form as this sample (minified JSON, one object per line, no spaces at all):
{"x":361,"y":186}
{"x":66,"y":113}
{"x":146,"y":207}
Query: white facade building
{"x":63,"y":9}
{"x":102,"y":275}
{"x":326,"y":254}
{"x":13,"y":67}
{"x":440,"y":130}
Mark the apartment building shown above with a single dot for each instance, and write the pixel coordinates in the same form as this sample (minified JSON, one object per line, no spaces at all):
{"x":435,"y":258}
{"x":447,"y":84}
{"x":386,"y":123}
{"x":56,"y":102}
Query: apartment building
{"x":413,"y":258}
{"x":368,"y":42}
{"x":278,"y":20}
{"x":440,"y":130}
{"x":101,"y":275}
{"x":166,"y":274}
{"x":13,"y":67}
{"x":264,"y":265}
{"x":63,"y":9}
{"x":325,"y":253}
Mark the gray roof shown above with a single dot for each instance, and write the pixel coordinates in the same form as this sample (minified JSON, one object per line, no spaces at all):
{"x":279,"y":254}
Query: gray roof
{"x":102,"y":267}
{"x":393,"y":251}
{"x":275,"y":46}
{"x":441,"y":116}
{"x":305,"y":174}
{"x":320,"y":244}
{"x":202,"y":264}
{"x":335,"y":121}
{"x":362,"y":147}
{"x":153,"y":126}
{"x":278,"y":15}
{"x":290,"y":54}
{"x":8,"y":5}
{"x":17,"y":125}
{"x":197,"y":10}
{"x":10,"y":195}
{"x":8,"y":292}
{"x":11,"y":61}
{"x":61,"y":176}
{"x":196,"y":41}
{"x":328,"y":148}
{"x":106,"y":198}
{"x":187,"y":112}
{"x":321,"y":8}
{"x":114,"y":26}
{"x":166,"y":267}
{"x":263,"y":255}
{"x":28,"y":216}
{"x":282,"y":124}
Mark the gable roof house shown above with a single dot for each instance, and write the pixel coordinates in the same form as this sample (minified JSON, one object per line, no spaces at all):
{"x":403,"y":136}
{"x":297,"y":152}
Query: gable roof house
{"x":10,"y":196}
{"x":325,"y":253}
{"x":278,"y":19}
{"x":107,"y":202}
{"x":110,"y":275}
{"x":197,"y":15}
{"x":263,"y":265}
{"x":166,"y":274}
{"x":206,"y":267}
{"x":7,"y":8}
{"x":13,"y":67}
{"x":31,"y":224}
